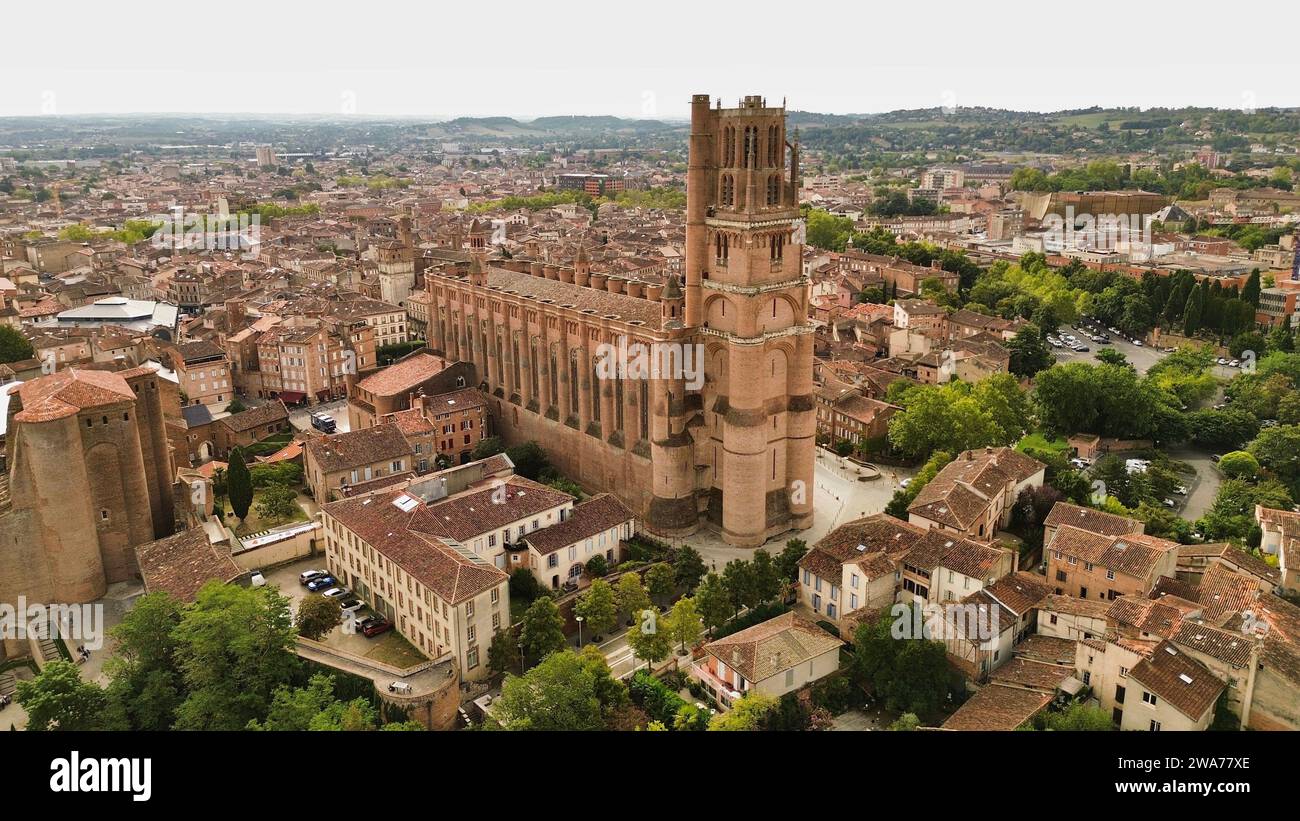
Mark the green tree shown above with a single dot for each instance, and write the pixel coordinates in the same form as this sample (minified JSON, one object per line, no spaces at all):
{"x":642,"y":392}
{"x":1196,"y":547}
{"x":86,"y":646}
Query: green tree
{"x":144,"y":677}
{"x":739,"y":581}
{"x":1250,"y":292}
{"x":659,"y":582}
{"x":749,"y":712}
{"x":58,"y":698}
{"x":531,"y":462}
{"x":234,"y":646}
{"x":557,"y":694}
{"x":1239,"y":465}
{"x":239,"y":485}
{"x":488,"y":446}
{"x":906,"y":722}
{"x":598,"y":609}
{"x":1080,"y":717}
{"x":503,"y":653}
{"x":596,"y":567}
{"x":768,"y":583}
{"x":278,"y":503}
{"x":1029,"y":353}
{"x":684,"y":623}
{"x":688,"y":568}
{"x":1278,"y":449}
{"x":541,"y":630}
{"x":1192,"y":313}
{"x":787,"y":561}
{"x":315,"y":707}
{"x":630,"y":595}
{"x":317,"y":615}
{"x":14,"y":347}
{"x":649,"y":636}
{"x":712,"y":601}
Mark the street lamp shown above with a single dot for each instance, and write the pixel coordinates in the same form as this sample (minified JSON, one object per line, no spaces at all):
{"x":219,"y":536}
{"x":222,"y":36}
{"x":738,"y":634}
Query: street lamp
{"x":579,"y":620}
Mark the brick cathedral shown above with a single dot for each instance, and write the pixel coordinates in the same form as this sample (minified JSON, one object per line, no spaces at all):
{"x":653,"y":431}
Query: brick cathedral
{"x":734,"y":454}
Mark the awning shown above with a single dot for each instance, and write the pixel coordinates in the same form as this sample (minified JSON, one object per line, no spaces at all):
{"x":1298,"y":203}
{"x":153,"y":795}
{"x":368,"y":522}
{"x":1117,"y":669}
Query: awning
{"x":292,"y":397}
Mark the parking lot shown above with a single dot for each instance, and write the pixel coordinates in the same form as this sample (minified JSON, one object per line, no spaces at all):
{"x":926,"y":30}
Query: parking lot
{"x":1142,"y":357}
{"x":388,"y":647}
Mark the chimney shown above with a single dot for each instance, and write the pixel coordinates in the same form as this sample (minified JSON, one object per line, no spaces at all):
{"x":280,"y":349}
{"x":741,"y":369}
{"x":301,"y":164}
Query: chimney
{"x":598,"y":281}
{"x":615,"y":285}
{"x":537,"y":269}
{"x":636,"y":288}
{"x":565,"y":274}
{"x":653,"y":291}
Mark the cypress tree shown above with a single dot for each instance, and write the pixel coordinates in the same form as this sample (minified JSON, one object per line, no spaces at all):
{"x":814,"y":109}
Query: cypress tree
{"x":239,"y":484}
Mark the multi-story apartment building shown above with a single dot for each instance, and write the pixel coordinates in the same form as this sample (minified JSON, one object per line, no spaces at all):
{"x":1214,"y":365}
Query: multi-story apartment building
{"x":203,"y":373}
{"x":1094,"y":565}
{"x":440,"y":596}
{"x":448,"y":425}
{"x":557,"y":555}
{"x":973,"y":494}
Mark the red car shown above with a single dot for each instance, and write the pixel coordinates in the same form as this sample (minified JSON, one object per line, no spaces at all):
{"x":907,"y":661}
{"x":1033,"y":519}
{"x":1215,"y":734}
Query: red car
{"x":373,"y":627}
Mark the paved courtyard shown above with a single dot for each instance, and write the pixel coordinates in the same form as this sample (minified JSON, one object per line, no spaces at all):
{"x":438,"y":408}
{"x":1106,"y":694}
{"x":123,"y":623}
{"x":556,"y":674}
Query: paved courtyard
{"x":838,"y":497}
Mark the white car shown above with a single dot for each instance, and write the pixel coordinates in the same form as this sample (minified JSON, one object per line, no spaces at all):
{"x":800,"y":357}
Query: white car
{"x":351,"y":605}
{"x":336,"y":593}
{"x":1137,"y":343}
{"x":307,"y":575}
{"x":905,"y":483}
{"x":1079,"y":463}
{"x":1236,"y":363}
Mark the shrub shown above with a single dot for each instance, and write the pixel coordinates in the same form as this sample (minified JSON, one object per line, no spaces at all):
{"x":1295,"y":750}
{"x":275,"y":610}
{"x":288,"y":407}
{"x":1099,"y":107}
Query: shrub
{"x":655,"y":697}
{"x":836,"y":694}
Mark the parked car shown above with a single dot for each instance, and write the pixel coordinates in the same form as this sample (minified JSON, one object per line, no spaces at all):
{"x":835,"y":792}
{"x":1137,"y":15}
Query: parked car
{"x":337,"y":593}
{"x":1221,"y":361}
{"x":1180,"y":490}
{"x":374,"y":628}
{"x":1170,"y":503}
{"x":257,"y":579}
{"x":1236,"y":363}
{"x":351,"y":605}
{"x":1215,"y":458}
{"x":1083,"y":349}
{"x":905,"y":483}
{"x":321,"y":583}
{"x":1137,"y":342}
{"x":1079,"y":463}
{"x":307,"y":575}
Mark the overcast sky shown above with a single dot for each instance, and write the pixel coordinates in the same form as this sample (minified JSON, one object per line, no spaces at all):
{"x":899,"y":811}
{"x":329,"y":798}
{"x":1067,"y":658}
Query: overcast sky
{"x":640,"y":59}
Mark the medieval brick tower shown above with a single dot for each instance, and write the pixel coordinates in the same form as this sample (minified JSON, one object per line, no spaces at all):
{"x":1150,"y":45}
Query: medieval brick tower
{"x":747,"y":296}
{"x":732,"y":451}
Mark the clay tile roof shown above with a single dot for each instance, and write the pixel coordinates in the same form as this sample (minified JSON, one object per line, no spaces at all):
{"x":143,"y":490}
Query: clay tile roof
{"x":1222,"y":591}
{"x":1020,"y":591}
{"x":245,"y":420}
{"x":70,"y":391}
{"x":772,"y":647}
{"x":1146,"y":615}
{"x":1179,"y":679}
{"x":483,"y":510}
{"x":345,"y":451}
{"x":1033,"y":675}
{"x":446,"y":568}
{"x":856,"y":541}
{"x":1230,"y":646}
{"x":1071,"y":606}
{"x":404,"y":375}
{"x":182,"y":563}
{"x":1091,"y":520}
{"x":596,"y":515}
{"x":997,"y":707}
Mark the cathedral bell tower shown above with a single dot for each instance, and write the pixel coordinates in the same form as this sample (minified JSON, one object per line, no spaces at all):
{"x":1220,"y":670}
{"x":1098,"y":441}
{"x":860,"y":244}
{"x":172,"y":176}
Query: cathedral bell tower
{"x":747,"y":297}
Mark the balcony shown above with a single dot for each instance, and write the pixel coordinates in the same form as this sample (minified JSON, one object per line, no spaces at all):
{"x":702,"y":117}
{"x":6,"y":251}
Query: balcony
{"x":722,"y":691}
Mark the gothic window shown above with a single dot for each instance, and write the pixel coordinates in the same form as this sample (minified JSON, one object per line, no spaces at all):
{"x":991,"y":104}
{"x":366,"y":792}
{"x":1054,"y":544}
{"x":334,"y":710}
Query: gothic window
{"x":773,"y":189}
{"x":728,"y":189}
{"x":532,"y":367}
{"x":595,"y":390}
{"x":619,"y":398}
{"x":554,"y":373}
{"x":573,"y":381}
{"x":751,"y":144}
{"x":644,"y":408}
{"x":773,"y":146}
{"x":728,"y":147}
